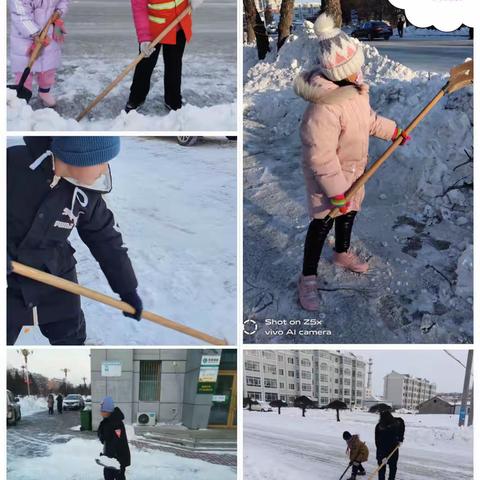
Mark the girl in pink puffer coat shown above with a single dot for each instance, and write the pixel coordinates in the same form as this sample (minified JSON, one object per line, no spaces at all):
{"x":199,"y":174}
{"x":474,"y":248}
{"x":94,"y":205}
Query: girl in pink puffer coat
{"x":335,"y":133}
{"x":28,"y":17}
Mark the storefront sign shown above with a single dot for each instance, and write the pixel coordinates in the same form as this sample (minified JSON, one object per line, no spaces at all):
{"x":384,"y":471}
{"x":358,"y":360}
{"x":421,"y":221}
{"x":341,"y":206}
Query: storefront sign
{"x":207,"y":378}
{"x":210,"y":360}
{"x":111,"y":369}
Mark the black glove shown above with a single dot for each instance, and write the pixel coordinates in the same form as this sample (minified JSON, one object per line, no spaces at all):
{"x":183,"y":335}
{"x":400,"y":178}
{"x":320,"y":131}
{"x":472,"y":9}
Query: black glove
{"x":9,"y":264}
{"x":135,"y":301}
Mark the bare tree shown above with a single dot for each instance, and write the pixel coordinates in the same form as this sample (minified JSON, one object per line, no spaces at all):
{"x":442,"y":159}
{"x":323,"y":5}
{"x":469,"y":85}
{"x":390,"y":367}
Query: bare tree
{"x":334,"y":9}
{"x":285,"y":24}
{"x":256,"y":28}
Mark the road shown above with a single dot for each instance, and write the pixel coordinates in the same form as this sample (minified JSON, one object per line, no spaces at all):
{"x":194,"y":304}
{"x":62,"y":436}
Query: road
{"x":34,"y":434}
{"x":434,"y":55}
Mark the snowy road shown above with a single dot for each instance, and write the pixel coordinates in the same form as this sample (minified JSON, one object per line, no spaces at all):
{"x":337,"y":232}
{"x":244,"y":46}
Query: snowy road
{"x":288,"y":446}
{"x":46,"y":447}
{"x":102,"y":41}
{"x":434,"y":55}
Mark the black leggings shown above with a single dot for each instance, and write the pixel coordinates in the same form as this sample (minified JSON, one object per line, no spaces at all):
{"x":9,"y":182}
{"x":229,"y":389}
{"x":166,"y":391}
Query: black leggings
{"x":317,"y":234}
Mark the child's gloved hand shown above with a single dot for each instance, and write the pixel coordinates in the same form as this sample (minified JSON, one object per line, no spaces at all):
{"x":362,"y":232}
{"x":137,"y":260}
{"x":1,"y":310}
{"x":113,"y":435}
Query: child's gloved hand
{"x":59,"y":31}
{"x":340,"y":202}
{"x":146,"y":49}
{"x":401,"y":133}
{"x":135,"y":301}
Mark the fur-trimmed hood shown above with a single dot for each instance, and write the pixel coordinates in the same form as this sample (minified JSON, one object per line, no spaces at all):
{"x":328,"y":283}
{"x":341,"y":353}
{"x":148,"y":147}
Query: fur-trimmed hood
{"x":315,"y":88}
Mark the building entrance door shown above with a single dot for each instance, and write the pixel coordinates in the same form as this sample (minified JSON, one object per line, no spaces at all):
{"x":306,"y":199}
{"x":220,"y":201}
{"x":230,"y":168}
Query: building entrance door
{"x":223,"y":413}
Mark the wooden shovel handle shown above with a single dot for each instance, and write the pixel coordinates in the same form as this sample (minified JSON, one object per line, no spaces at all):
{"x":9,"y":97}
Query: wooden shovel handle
{"x":132,"y":65}
{"x":361,"y":181}
{"x":76,"y":289}
{"x":372,"y":476}
{"x":43,"y":34}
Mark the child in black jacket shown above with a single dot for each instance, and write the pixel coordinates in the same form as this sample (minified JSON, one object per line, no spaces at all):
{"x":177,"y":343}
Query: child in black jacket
{"x":111,"y":432}
{"x":55,"y":184}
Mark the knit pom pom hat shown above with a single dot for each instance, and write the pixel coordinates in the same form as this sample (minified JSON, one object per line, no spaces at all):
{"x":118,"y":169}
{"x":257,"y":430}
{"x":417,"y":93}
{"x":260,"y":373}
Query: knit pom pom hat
{"x":85,"y":151}
{"x":340,"y":56}
{"x":107,"y":405}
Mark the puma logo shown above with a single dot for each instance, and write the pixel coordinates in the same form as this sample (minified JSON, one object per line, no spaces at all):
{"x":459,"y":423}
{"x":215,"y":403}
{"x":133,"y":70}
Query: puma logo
{"x":78,"y":196}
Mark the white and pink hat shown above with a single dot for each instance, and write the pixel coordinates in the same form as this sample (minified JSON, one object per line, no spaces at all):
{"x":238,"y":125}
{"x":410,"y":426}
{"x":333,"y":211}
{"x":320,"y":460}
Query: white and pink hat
{"x":340,"y":56}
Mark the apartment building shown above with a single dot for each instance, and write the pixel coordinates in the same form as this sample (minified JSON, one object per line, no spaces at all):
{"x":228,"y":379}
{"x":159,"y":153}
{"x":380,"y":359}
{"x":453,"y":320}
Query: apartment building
{"x":405,"y":391}
{"x":321,"y":375}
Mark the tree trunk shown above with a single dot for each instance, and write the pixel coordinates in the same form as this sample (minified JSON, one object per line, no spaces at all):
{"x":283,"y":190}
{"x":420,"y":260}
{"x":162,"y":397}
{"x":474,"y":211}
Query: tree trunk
{"x":285,"y":24}
{"x":303,"y":412}
{"x":256,"y":28}
{"x":338,"y":415}
{"x":279,"y":410}
{"x":333,"y":8}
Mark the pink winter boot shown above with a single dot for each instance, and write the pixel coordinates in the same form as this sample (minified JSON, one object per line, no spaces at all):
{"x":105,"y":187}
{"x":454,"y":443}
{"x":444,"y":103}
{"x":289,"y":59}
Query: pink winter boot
{"x":308,"y":293}
{"x":48,"y":99}
{"x":350,"y":261}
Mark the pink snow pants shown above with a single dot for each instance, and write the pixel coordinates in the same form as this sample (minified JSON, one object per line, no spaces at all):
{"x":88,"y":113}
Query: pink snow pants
{"x":45,"y":80}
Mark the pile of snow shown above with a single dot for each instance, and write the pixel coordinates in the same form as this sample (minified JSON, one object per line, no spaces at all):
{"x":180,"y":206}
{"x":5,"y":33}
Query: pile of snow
{"x":75,"y":460}
{"x":423,"y":194}
{"x":416,"y":32}
{"x":31,"y":405}
{"x":21,"y":117}
{"x":287,"y":445}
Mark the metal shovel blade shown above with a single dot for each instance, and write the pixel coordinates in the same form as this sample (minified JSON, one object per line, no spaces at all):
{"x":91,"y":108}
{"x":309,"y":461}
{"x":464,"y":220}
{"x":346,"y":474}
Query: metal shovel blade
{"x":22,"y":92}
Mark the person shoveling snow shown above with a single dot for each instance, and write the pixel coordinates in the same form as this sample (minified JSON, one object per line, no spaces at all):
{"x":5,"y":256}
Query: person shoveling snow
{"x":54,"y":185}
{"x":335,"y":133}
{"x":28,"y":19}
{"x":358,"y":452}
{"x":115,"y":457}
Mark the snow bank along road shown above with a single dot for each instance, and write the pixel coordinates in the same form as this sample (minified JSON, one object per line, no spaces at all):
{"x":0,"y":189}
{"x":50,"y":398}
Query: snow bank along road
{"x":101,"y":42}
{"x":46,"y":447}
{"x":278,"y":447}
{"x":415,"y":227}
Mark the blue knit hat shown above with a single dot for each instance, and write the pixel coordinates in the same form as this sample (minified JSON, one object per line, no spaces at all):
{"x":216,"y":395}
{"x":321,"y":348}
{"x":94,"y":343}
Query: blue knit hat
{"x":85,"y":151}
{"x":107,"y":405}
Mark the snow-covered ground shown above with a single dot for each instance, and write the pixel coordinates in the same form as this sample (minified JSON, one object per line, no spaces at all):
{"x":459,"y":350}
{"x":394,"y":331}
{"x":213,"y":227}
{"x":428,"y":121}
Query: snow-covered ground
{"x":75,"y":460}
{"x":176,"y":207}
{"x":31,"y":405}
{"x":289,"y":446}
{"x":99,"y":45}
{"x":415,"y":227}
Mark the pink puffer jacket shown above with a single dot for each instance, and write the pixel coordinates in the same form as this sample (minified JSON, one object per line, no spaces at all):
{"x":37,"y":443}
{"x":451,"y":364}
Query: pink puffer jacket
{"x":28,"y":17}
{"x":140,"y":18}
{"x":335,"y":132}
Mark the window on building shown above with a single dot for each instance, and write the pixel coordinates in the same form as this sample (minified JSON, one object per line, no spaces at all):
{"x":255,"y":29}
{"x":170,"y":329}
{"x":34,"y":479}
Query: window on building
{"x":323,"y":389}
{"x":324,"y":400}
{"x":291,"y":373}
{"x":254,"y":395}
{"x":291,"y":386}
{"x":228,"y":359}
{"x":306,"y":375}
{"x":270,"y":369}
{"x":269,"y":355}
{"x":149,"y":385}
{"x":283,"y":397}
{"x":306,"y":363}
{"x":281,"y":372}
{"x":306,"y":387}
{"x":290,"y":361}
{"x":323,"y":367}
{"x":346,"y":381}
{"x":254,"y":381}
{"x":270,"y":383}
{"x":269,"y":397}
{"x":324,"y":377}
{"x":252,"y":366}
{"x":282,"y":385}
{"x":280,"y":358}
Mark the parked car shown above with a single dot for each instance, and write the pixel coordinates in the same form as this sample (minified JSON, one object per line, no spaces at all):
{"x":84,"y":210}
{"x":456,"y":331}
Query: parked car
{"x":14,"y":413}
{"x":189,"y":141}
{"x":73,"y":401}
{"x":259,"y":406}
{"x":372,"y":30}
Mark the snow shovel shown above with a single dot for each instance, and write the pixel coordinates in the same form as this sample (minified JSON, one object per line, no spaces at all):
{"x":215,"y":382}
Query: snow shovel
{"x":76,"y":289}
{"x":22,"y":91}
{"x":132,"y":65}
{"x":384,"y":463}
{"x":460,"y":77}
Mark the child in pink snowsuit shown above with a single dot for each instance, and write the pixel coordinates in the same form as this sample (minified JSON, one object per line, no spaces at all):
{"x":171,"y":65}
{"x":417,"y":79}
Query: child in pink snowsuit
{"x":28,"y":17}
{"x":335,"y":133}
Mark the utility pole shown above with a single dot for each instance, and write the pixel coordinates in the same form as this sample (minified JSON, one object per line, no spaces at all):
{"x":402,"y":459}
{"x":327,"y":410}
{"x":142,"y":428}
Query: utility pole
{"x":65,"y":371}
{"x":472,"y":403}
{"x":25,"y":353}
{"x":466,"y":389}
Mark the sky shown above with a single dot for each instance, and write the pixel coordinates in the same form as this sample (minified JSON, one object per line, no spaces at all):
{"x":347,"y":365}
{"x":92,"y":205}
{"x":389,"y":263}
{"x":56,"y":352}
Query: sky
{"x":49,"y":362}
{"x":434,"y":365}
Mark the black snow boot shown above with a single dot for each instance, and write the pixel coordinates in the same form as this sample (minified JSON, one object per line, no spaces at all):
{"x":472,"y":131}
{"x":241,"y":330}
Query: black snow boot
{"x":131,"y":106}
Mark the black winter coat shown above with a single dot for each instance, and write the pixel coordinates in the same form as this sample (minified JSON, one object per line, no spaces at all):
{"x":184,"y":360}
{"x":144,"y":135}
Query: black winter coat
{"x":40,"y":220}
{"x":388,"y":435}
{"x":111,"y":432}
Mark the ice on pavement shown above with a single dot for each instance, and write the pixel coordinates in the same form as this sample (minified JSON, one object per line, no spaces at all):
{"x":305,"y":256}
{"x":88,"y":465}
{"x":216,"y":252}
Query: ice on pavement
{"x":415,"y":227}
{"x":75,"y":460}
{"x":31,"y":405}
{"x":289,"y":446}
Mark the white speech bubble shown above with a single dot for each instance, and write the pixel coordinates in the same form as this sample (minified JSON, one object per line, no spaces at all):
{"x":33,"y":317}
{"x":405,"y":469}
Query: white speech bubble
{"x":446,"y":15}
